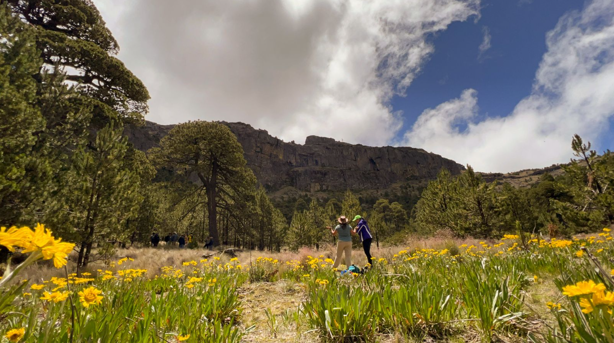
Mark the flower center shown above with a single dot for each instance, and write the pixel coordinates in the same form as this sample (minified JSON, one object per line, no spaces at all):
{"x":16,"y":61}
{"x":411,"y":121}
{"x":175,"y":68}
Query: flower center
{"x":90,"y":297}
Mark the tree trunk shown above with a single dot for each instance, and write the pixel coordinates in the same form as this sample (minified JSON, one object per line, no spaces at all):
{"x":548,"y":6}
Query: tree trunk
{"x":590,"y":168}
{"x":86,"y":257}
{"x":212,"y":205}
{"x":81,"y":253}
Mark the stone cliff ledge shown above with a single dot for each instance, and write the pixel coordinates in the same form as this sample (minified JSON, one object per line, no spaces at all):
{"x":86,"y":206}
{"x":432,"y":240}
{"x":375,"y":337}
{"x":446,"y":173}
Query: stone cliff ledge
{"x":321,"y":164}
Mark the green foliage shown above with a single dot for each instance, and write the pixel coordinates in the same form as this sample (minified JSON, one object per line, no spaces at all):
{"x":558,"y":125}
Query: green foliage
{"x":72,"y":35}
{"x":388,"y":220}
{"x":307,"y":227}
{"x":210,"y":152}
{"x":20,"y":118}
{"x":580,"y":200}
{"x":100,"y":192}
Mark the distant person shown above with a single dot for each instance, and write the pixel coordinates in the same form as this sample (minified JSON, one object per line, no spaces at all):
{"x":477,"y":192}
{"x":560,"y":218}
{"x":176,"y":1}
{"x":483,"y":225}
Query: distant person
{"x":362,"y":229}
{"x":155,"y":239}
{"x":344,"y":232}
{"x":181,"y":241}
{"x":209,"y":243}
{"x":167,"y":238}
{"x":174,"y":238}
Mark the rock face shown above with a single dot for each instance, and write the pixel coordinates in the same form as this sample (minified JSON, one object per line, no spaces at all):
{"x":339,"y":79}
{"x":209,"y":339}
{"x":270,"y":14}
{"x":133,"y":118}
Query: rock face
{"x":321,"y":164}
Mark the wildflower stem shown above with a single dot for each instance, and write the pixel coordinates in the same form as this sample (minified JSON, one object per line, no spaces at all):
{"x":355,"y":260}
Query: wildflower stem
{"x":72,"y":307}
{"x":31,"y":259}
{"x":593,"y":259}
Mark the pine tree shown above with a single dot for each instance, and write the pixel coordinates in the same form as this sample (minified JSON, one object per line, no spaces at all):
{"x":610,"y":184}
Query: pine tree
{"x":439,"y":204}
{"x":210,"y":152}
{"x":100,"y":192}
{"x":72,"y":36}
{"x":350,"y":206}
{"x":20,"y":119}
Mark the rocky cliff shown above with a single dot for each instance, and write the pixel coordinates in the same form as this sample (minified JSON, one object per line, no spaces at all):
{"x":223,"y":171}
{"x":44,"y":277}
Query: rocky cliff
{"x":321,"y":164}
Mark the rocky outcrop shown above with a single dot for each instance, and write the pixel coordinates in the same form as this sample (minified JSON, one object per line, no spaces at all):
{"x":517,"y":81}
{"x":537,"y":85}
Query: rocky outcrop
{"x":321,"y":164}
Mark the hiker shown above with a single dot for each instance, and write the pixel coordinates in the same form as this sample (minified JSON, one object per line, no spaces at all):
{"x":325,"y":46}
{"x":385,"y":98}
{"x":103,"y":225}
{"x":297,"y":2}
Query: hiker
{"x":155,"y":239}
{"x":209,"y":243}
{"x":167,"y":238}
{"x":181,"y":241}
{"x":344,"y":232}
{"x":362,"y":229}
{"x":174,"y":238}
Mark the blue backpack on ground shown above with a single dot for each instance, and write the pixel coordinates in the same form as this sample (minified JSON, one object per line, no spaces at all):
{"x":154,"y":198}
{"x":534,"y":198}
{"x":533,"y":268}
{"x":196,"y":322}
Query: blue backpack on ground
{"x":352,"y":269}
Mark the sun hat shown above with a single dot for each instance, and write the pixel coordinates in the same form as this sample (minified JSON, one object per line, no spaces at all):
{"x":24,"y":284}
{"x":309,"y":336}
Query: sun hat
{"x":356,"y":218}
{"x":342,"y":220}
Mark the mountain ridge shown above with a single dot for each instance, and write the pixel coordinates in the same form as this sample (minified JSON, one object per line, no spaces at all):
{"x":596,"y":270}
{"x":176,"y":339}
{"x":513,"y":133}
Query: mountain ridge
{"x":321,"y":164}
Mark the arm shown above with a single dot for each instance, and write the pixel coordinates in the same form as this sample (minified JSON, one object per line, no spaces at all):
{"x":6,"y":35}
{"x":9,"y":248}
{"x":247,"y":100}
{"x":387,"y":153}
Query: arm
{"x":357,"y":229}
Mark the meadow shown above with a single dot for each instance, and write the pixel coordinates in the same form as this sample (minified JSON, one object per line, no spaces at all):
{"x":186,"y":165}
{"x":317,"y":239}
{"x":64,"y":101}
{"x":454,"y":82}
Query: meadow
{"x":515,"y":290}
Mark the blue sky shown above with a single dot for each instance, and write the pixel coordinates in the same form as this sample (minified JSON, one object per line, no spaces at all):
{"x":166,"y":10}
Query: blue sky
{"x":503,"y":75}
{"x":336,"y":68}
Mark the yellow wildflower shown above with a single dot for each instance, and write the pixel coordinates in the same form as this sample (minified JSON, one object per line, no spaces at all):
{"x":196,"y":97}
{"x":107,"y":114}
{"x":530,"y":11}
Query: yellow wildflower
{"x":27,"y":294}
{"x":90,"y":296}
{"x":15,"y":335}
{"x":597,"y":299}
{"x":579,"y":253}
{"x":553,"y":306}
{"x":586,"y":305}
{"x":37,"y":287}
{"x":56,"y":297}
{"x":583,"y":288}
{"x":183,"y":338}
{"x":14,"y":237}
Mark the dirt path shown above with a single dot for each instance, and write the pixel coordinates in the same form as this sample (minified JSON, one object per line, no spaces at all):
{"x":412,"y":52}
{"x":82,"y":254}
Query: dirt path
{"x":282,"y":300}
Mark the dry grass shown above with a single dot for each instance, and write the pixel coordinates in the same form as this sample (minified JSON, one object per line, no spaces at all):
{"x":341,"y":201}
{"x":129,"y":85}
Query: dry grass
{"x":283,"y":299}
{"x":153,"y":259}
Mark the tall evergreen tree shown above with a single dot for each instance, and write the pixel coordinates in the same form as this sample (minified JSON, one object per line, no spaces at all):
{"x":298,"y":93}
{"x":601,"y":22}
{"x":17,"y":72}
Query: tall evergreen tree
{"x":72,"y":35}
{"x":100,"y":193}
{"x":20,"y":118}
{"x":210,"y":152}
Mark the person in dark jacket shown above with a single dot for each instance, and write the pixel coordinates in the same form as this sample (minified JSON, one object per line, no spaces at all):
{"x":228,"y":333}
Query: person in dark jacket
{"x":209,"y":243}
{"x":174,"y":238}
{"x":182,"y":241}
{"x":362,"y":229}
{"x":155,"y":239}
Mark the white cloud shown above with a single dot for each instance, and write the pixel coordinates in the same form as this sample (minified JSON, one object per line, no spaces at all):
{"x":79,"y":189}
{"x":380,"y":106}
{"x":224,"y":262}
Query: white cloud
{"x":572,"y":93}
{"x":293,"y":67}
{"x":485,"y":45}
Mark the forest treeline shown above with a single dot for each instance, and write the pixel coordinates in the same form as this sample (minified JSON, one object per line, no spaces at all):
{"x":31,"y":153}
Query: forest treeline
{"x":64,"y":161}
{"x":579,"y":200}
